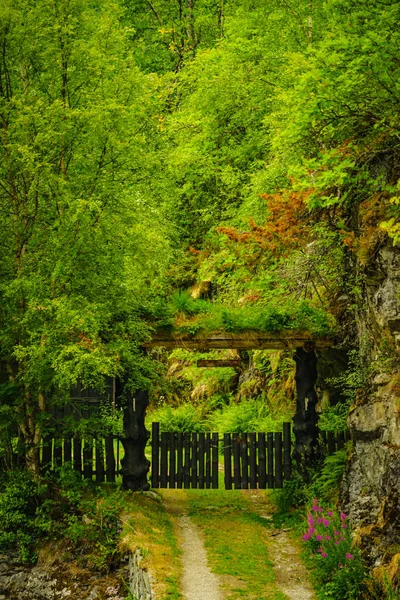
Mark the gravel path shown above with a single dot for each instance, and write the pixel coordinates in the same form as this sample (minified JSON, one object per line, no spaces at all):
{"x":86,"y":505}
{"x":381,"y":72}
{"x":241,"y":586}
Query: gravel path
{"x":198,"y":582}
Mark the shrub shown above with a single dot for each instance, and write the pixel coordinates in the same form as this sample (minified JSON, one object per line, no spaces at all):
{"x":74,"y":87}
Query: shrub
{"x":21,"y":521}
{"x":339,"y":570}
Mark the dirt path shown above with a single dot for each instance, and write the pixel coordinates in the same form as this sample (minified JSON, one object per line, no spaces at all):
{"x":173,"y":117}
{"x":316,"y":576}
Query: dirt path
{"x":290,"y":573}
{"x":198,"y":582}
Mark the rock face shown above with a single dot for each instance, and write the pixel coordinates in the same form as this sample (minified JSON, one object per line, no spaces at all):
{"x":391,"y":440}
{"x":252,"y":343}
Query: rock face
{"x":371,"y":487}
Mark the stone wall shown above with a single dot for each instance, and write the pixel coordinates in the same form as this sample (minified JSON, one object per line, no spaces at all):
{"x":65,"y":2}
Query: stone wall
{"x":371,"y":487}
{"x":139,"y":579}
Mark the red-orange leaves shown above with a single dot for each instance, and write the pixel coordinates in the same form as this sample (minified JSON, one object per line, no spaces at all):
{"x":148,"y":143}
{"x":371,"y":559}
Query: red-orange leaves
{"x":285,"y":228}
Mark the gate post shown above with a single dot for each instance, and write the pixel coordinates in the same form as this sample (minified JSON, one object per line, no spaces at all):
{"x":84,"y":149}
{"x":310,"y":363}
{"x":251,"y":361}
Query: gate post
{"x":135,"y":465}
{"x":305,"y":420}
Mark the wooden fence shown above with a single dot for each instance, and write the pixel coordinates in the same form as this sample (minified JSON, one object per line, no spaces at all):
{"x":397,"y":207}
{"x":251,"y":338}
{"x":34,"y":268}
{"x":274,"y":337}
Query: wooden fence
{"x":94,"y":458}
{"x":190,"y":460}
{"x":330,"y":442}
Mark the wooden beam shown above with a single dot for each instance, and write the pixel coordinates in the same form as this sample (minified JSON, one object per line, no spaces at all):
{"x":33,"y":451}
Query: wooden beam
{"x":214,"y":363}
{"x":249,"y":340}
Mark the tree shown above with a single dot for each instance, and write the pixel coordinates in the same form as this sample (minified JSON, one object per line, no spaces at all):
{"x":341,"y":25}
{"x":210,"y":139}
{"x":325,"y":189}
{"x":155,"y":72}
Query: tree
{"x":76,"y":120}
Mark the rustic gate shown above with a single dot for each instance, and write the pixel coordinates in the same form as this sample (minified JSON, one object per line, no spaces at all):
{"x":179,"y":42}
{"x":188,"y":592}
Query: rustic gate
{"x":191,"y":460}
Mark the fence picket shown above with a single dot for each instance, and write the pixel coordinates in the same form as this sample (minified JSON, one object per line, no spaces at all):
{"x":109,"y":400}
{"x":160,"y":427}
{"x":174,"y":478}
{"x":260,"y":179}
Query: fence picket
{"x":278,"y":459}
{"x":214,"y":474}
{"x":262,"y":462}
{"x":253,"y":460}
{"x":228,"y":461}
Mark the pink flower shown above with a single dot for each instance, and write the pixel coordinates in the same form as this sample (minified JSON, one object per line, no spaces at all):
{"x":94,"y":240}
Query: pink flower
{"x":310,"y":520}
{"x":344,"y":526}
{"x":340,"y":566}
{"x":326,"y":522}
{"x":341,"y":539}
{"x":318,"y":537}
{"x":337,"y":543}
{"x":336,"y":532}
{"x":311,"y":530}
{"x":324,"y":554}
{"x":314,"y":508}
{"x":306,"y":536}
{"x":349,"y":556}
{"x":342,"y":516}
{"x":320,"y":550}
{"x":328,"y":537}
{"x":330,"y":513}
{"x":320,"y":520}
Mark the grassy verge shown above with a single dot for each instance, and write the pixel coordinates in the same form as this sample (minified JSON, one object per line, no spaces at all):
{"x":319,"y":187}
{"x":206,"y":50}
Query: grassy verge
{"x":147,"y":525}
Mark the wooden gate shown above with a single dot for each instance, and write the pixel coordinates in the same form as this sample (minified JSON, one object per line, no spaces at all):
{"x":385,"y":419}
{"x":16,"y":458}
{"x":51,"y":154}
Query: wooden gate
{"x":184,"y":460}
{"x":257,"y":460}
{"x":191,"y":460}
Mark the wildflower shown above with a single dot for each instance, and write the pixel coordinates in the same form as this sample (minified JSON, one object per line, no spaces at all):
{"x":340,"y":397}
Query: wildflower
{"x":306,"y":536}
{"x":340,"y":566}
{"x":349,"y":556}
{"x":320,"y":520}
{"x":318,"y":537}
{"x":310,"y":520}
{"x":311,"y":530}
{"x":337,"y":543}
{"x":326,"y":522}
{"x":336,"y":533}
{"x":324,"y":554}
{"x":330,"y":513}
{"x":343,"y":516}
{"x":327,"y":537}
{"x":344,"y":526}
{"x":320,"y":550}
{"x":341,"y":539}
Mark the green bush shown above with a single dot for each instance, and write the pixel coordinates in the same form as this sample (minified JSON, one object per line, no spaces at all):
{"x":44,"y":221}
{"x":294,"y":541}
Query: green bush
{"x":21,"y":521}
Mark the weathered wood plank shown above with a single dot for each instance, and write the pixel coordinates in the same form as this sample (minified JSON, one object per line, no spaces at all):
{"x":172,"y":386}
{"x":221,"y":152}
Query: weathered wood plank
{"x":201,"y":460}
{"x":155,"y":455}
{"x":245,"y":340}
{"x":237,"y":479}
{"x":217,"y":363}
{"x":270,"y":448}
{"x":228,"y":461}
{"x":179,"y":460}
{"x":164,"y":460}
{"x":187,"y":458}
{"x":252,"y":460}
{"x":287,"y":451}
{"x":99,"y":451}
{"x":110,"y":459}
{"x":262,"y":461}
{"x":214,"y":459}
{"x":278,"y":460}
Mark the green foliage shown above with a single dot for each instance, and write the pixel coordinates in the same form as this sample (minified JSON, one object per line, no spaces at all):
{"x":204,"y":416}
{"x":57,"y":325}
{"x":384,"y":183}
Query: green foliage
{"x":327,"y":481}
{"x":62,"y":508}
{"x":21,"y":521}
{"x":245,"y":417}
{"x":185,"y":418}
